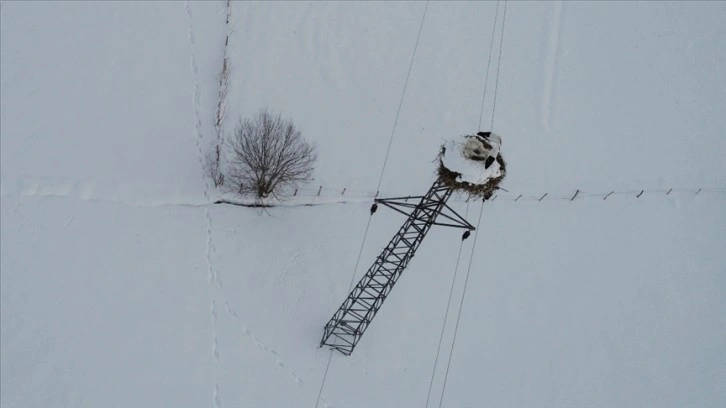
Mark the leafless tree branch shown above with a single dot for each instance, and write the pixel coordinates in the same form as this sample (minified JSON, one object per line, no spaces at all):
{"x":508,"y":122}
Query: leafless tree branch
{"x":268,"y":154}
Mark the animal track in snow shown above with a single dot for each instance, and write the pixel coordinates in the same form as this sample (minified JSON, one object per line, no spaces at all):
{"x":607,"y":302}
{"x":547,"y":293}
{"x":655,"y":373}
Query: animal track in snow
{"x":296,"y":378}
{"x":199,"y":138}
{"x":217,"y":399}
{"x":215,"y":340}
{"x":229,"y":309}
{"x":294,"y":260}
{"x":213,"y":274}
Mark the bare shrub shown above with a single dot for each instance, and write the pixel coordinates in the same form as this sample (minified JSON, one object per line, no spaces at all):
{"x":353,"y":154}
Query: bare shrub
{"x":267,"y":155}
{"x":222,"y":97}
{"x":213,"y":168}
{"x":213,"y":165}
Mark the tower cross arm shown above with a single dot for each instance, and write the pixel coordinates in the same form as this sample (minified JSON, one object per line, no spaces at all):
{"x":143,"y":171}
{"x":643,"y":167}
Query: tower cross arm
{"x":401,"y":205}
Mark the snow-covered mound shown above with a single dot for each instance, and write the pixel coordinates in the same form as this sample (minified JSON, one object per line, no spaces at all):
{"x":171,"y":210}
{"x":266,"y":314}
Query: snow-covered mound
{"x":473,"y":163}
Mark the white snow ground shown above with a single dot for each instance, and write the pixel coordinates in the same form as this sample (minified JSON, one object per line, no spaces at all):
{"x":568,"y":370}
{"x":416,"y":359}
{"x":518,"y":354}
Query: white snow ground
{"x":120,"y":285}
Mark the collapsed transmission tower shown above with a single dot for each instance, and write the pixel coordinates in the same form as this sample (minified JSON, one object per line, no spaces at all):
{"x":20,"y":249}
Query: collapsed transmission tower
{"x":350,"y":321}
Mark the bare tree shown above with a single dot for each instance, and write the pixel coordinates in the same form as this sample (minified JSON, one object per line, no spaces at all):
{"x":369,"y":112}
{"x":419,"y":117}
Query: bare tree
{"x":268,"y":154}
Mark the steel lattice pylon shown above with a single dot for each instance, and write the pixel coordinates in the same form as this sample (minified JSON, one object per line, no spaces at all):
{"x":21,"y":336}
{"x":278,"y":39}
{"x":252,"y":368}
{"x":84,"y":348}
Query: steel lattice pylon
{"x":352,"y":318}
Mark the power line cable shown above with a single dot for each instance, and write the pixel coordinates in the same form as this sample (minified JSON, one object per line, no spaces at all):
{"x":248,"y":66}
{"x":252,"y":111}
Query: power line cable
{"x":400,"y":103}
{"x":322,"y":384}
{"x":499,"y":62}
{"x":461,"y":305}
{"x":476,"y":234}
{"x":350,"y":285}
{"x":489,"y":63}
{"x":461,"y":245}
{"x":380,"y":180}
{"x":446,"y":314}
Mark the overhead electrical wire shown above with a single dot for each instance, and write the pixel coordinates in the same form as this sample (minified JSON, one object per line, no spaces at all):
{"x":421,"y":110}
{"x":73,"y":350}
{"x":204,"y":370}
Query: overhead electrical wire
{"x":489,"y":63}
{"x":476,"y":234}
{"x":461,"y":245}
{"x":403,"y":94}
{"x":380,"y":180}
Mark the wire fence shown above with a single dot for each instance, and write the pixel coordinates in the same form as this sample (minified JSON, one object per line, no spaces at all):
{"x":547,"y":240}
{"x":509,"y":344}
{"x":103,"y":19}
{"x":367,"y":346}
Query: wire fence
{"x":579,"y":194}
{"x":504,"y":195}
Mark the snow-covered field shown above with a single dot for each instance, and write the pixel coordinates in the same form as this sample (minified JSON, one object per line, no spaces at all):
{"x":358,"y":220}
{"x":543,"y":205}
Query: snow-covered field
{"x":122,"y":285}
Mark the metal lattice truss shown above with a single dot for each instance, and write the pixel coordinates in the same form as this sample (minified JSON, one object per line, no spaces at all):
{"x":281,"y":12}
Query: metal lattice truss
{"x":351,"y":320}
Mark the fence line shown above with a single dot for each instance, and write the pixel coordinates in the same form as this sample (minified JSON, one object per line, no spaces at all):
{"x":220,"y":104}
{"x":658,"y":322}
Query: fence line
{"x":605,"y":195}
{"x":346,"y":194}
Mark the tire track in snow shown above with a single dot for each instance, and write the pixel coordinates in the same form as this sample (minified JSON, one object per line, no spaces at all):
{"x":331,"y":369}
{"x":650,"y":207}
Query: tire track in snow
{"x":199,"y":138}
{"x":551,"y":65}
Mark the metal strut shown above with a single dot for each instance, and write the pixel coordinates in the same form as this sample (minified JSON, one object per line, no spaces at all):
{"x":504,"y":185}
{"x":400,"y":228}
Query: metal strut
{"x":345,"y":328}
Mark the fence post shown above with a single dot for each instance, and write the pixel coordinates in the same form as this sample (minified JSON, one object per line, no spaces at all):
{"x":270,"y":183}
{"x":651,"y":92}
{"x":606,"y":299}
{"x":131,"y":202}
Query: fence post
{"x":699,"y":190}
{"x":343,"y":192}
{"x":319,"y":190}
{"x":518,"y":197}
{"x":640,"y":194}
{"x":608,"y":195}
{"x":669,"y":191}
{"x":295,"y":193}
{"x":576,"y":193}
{"x":543,"y":196}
